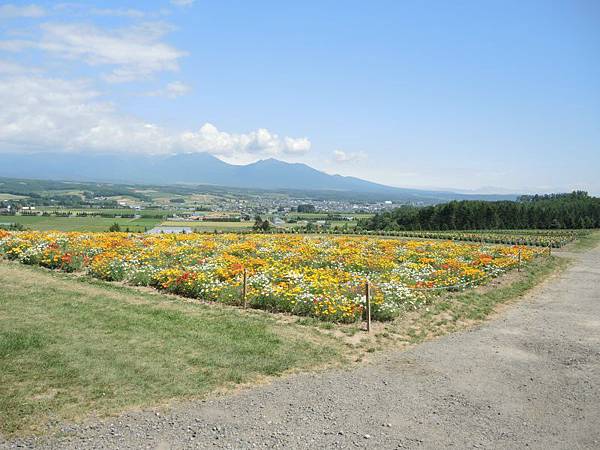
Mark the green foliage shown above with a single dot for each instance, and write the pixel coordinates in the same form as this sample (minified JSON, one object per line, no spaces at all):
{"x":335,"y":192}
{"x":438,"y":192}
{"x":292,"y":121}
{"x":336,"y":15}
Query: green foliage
{"x":306,"y":208}
{"x":576,"y":210}
{"x":13,"y":227}
{"x":261,"y":225}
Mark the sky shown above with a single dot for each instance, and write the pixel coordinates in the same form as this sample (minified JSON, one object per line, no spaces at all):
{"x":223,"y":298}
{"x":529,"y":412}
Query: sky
{"x":486,"y":96}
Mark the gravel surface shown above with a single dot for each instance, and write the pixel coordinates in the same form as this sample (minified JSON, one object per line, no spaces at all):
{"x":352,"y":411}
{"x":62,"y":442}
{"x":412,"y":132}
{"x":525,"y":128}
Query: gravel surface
{"x":528,"y":378}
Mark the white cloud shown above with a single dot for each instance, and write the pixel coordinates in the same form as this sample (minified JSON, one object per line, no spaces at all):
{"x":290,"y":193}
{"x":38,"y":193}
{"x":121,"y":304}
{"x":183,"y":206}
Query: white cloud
{"x":46,"y":114}
{"x":298,"y":146}
{"x":177,"y":88}
{"x":119,"y":12}
{"x":15,"y":45}
{"x":10,"y":11}
{"x":41,"y":113}
{"x":136,"y":52}
{"x":341,"y":156}
{"x":243,"y":147}
{"x":9,"y":67}
{"x":172,"y":90}
{"x":182,"y":2}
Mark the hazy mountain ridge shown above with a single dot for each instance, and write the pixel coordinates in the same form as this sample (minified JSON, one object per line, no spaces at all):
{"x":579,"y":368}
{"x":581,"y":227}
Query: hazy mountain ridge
{"x":203,"y":168}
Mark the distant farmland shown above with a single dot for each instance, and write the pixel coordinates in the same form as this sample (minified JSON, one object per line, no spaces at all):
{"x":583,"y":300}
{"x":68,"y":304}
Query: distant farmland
{"x":79,"y":223}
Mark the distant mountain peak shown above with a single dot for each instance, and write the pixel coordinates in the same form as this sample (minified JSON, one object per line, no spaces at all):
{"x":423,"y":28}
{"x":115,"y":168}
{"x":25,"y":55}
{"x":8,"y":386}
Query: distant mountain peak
{"x":203,"y":168}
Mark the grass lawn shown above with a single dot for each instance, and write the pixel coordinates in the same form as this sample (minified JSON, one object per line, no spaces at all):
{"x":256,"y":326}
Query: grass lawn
{"x":45,"y":223}
{"x":71,"y":346}
{"x":586,"y":242}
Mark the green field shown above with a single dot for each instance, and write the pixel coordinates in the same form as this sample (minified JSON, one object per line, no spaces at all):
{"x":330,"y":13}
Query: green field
{"x":211,"y":226}
{"x":115,"y":211}
{"x":343,"y":223}
{"x":71,"y":347}
{"x":45,"y":223}
{"x":4,"y":196}
{"x":323,"y":216}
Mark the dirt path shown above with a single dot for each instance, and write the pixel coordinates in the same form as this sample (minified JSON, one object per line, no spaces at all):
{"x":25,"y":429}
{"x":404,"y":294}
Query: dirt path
{"x":529,"y":378}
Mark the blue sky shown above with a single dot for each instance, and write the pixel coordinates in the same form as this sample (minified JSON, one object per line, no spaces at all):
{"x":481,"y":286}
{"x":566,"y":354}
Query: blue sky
{"x":471,"y":95}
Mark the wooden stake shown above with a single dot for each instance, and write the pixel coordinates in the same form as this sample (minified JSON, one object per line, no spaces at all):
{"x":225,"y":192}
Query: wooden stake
{"x":519,"y":268}
{"x":244,"y":287}
{"x":368,"y":305}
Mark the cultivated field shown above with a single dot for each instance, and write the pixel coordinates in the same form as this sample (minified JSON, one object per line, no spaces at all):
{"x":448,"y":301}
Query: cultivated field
{"x":208,"y":226}
{"x":91,"y":223}
{"x":319,"y":276}
{"x":109,"y":211}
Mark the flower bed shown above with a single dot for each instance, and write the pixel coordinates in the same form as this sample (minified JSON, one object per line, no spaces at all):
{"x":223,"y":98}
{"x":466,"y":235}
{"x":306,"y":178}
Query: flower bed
{"x":319,"y":276}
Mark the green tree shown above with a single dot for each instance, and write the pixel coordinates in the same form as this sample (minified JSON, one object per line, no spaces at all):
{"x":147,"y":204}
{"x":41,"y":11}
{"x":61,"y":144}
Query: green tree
{"x":257,"y":223}
{"x":265,"y":225}
{"x":574,"y":210}
{"x":307,"y":208}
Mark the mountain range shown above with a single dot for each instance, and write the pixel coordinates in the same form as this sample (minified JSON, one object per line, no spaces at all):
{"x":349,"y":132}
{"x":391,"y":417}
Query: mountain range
{"x":206,"y":169}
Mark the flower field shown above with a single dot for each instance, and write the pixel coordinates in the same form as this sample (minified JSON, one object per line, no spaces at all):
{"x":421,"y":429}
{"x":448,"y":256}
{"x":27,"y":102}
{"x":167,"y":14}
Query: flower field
{"x":319,"y":276}
{"x":541,"y":238}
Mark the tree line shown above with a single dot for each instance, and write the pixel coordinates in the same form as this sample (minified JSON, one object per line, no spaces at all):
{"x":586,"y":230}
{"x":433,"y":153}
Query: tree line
{"x":553,"y":211}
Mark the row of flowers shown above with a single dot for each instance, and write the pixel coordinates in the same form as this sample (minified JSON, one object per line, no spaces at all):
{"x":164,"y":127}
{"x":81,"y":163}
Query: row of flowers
{"x":554,"y":238}
{"x":540,"y":238}
{"x":319,"y":276}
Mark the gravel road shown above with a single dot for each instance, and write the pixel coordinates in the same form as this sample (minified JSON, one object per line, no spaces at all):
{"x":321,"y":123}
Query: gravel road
{"x":528,"y":378}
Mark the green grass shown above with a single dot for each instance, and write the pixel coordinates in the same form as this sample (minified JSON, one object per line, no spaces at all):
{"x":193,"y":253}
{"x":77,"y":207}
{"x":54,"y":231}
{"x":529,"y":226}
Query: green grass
{"x":587,"y":241}
{"x":45,"y":223}
{"x":4,"y":196}
{"x":324,"y":215}
{"x":70,"y":348}
{"x":116,"y":211}
{"x":211,"y":226}
{"x":341,"y":223}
